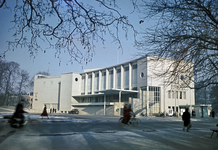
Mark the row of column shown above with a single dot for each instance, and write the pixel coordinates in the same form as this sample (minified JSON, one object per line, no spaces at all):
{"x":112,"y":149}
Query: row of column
{"x":107,"y":78}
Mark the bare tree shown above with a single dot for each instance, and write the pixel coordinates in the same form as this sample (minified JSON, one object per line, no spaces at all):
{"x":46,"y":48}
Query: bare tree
{"x":2,"y":74}
{"x":24,"y":81}
{"x":12,"y":69}
{"x":71,"y":26}
{"x":184,"y":30}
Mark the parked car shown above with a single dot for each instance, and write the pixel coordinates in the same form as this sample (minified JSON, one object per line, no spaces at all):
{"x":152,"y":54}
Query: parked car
{"x":74,"y":111}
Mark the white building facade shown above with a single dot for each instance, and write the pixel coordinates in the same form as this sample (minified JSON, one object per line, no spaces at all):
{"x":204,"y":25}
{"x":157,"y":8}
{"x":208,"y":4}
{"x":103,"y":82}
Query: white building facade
{"x":105,"y":91}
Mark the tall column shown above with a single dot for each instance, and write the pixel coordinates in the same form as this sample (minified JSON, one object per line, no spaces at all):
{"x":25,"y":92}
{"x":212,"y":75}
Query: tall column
{"x":175,"y":99}
{"x":114,"y":77}
{"x":93,"y":82}
{"x":100,"y":77}
{"x":104,"y":104}
{"x":130,"y":76}
{"x":107,"y":76}
{"x":164,"y":98}
{"x":121,"y":79}
{"x":147,"y":101}
{"x":190,"y":102}
{"x":86,"y":82}
{"x":119,"y":103}
{"x":59,"y":95}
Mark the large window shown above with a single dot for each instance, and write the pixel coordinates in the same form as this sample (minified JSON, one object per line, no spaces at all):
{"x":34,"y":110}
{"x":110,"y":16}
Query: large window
{"x":83,"y":84}
{"x":110,"y":79}
{"x":96,"y":81}
{"x":184,"y":95}
{"x":154,"y":98}
{"x":126,"y":77}
{"x":169,"y":94}
{"x":180,"y":95}
{"x":118,"y":77}
{"x":134,"y":76}
{"x":89,"y":84}
{"x":103,"y":81}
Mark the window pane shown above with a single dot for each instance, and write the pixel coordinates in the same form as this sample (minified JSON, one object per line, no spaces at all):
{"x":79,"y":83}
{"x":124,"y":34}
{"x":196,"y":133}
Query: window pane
{"x":184,"y":95}
{"x":126,"y":77}
{"x":89,"y":84}
{"x":83,"y":84}
{"x":96,"y":81}
{"x":118,"y":77}
{"x":134,"y":75}
{"x":169,"y":94}
{"x":110,"y":79}
{"x":103,"y":81}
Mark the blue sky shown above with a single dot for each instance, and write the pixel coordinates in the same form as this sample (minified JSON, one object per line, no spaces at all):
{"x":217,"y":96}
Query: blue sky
{"x":105,"y":55}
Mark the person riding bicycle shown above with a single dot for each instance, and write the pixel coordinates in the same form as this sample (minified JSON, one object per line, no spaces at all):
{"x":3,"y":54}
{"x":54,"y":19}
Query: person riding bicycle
{"x":127,"y":114}
{"x":19,"y":111}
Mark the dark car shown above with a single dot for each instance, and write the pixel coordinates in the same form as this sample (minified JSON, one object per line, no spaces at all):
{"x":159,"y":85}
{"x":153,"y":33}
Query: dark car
{"x":74,"y":111}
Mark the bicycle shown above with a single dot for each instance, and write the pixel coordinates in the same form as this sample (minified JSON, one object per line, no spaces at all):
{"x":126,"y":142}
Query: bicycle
{"x":133,"y":121}
{"x":26,"y":122}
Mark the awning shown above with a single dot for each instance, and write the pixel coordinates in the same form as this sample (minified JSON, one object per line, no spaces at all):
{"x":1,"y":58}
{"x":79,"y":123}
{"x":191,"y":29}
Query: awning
{"x":89,"y":95}
{"x":108,"y":91}
{"x":116,"y":91}
{"x":92,"y":104}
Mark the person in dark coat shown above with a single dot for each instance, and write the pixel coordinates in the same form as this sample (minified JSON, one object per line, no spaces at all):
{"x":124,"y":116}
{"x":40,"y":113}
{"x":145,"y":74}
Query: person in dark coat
{"x":213,"y":114}
{"x":19,"y":111}
{"x":186,"y":119}
{"x":128,"y":116}
{"x":44,"y":113}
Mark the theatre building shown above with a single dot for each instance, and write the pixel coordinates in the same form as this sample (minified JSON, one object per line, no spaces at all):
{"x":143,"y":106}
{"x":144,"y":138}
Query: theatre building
{"x":105,"y":91}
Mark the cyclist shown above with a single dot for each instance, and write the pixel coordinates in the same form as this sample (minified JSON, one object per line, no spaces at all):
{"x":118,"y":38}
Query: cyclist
{"x":19,"y":112}
{"x":129,"y":111}
{"x":126,"y":114}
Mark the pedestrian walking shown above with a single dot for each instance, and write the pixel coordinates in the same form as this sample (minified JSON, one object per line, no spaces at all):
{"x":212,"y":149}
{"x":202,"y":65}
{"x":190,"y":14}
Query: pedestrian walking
{"x":213,"y":114}
{"x":50,"y":110}
{"x":44,"y":113}
{"x":53,"y":110}
{"x":186,"y":119}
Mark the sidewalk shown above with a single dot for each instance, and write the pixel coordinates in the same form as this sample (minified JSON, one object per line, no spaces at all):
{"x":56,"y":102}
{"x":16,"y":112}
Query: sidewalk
{"x":105,"y":118}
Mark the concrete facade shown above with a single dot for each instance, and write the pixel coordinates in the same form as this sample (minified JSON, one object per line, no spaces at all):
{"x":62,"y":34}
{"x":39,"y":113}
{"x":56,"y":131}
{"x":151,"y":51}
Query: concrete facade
{"x":105,"y":91}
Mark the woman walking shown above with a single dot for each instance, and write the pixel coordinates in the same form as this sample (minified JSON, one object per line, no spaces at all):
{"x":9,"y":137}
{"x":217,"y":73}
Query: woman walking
{"x":44,"y":113}
{"x":186,"y":119}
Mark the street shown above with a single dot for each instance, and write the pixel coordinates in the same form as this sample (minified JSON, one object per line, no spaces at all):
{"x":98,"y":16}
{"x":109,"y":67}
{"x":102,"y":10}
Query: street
{"x":64,"y":131}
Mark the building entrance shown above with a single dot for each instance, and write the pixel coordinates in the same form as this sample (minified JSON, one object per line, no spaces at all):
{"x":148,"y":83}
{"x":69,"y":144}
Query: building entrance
{"x":151,"y":100}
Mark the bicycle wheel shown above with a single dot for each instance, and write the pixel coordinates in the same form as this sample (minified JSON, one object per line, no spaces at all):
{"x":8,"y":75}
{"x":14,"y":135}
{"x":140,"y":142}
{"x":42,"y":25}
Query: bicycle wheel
{"x":120,"y":122}
{"x":135,"y":122}
{"x":139,"y":121}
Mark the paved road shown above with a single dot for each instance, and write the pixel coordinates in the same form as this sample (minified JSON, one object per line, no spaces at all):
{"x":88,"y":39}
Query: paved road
{"x":103,"y":133}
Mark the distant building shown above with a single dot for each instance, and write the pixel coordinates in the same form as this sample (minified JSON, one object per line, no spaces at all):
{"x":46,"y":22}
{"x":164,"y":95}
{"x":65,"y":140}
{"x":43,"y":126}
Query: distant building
{"x":105,"y":91}
{"x":27,"y":97}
